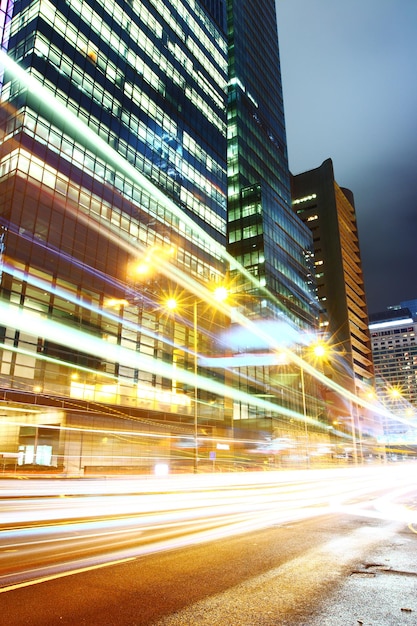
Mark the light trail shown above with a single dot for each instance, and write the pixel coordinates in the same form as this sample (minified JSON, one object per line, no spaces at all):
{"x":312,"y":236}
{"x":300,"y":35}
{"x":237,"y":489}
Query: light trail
{"x":72,"y":297}
{"x":189,"y":499}
{"x":15,"y":317}
{"x":44,"y":537}
{"x":65,"y":119}
{"x":9,"y":313}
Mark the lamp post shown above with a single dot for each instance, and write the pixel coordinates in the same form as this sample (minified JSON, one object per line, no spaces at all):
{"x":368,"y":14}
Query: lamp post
{"x":321,"y":351}
{"x":196,"y":456}
{"x":219,"y":294}
{"x":353,"y":428}
{"x":303,"y":392}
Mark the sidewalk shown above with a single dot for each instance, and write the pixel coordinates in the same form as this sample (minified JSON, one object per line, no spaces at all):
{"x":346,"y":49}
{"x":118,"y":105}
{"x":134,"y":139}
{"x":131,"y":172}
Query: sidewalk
{"x":366,"y":577}
{"x":379,"y":592}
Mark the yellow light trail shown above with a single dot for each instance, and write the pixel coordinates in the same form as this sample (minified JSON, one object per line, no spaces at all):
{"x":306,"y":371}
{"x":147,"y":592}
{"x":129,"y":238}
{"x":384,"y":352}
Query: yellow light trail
{"x":15,"y":317}
{"x":46,"y":536}
{"x":58,"y":114}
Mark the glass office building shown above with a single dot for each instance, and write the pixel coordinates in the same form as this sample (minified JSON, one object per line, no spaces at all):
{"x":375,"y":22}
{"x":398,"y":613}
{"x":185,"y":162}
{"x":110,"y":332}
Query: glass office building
{"x":113,"y":162}
{"x":264,"y":234}
{"x":115,"y":197}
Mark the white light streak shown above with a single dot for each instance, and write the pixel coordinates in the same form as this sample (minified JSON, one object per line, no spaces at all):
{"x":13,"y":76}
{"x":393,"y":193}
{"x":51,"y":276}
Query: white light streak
{"x":153,"y":515}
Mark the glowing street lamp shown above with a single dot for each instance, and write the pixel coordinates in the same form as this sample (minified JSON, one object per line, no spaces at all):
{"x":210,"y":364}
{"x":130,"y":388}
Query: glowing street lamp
{"x":395,"y":393}
{"x":318,"y":350}
{"x":323,"y":351}
{"x":220,"y":294}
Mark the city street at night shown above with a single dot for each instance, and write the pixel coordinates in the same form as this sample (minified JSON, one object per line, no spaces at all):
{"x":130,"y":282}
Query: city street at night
{"x":208,"y":389}
{"x":268,"y":548}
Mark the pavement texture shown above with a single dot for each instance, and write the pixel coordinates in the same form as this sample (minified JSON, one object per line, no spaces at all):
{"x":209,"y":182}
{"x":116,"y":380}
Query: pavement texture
{"x":382,"y":591}
{"x":368,"y":578}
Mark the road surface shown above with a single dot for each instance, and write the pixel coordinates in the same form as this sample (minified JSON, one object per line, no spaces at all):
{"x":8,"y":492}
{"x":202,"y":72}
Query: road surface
{"x":230,"y":552}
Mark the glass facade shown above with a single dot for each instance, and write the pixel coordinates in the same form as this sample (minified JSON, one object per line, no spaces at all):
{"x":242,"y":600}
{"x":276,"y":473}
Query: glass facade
{"x":264,"y":234}
{"x":113,"y":157}
{"x":115,"y":196}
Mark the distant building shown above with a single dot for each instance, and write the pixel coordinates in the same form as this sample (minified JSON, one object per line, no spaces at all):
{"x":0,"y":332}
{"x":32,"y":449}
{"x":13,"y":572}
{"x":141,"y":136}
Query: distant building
{"x":329,"y":212}
{"x":406,"y":304}
{"x":394,"y":348}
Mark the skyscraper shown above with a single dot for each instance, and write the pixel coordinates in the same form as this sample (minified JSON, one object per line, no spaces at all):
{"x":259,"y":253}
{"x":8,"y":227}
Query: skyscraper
{"x":329,"y":211}
{"x":114,"y":197}
{"x":394,"y":351}
{"x":113,"y":160}
{"x":264,"y":234}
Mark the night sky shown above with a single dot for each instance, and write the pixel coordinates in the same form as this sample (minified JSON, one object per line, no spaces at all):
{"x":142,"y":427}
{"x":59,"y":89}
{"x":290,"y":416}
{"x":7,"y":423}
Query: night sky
{"x":349,"y":71}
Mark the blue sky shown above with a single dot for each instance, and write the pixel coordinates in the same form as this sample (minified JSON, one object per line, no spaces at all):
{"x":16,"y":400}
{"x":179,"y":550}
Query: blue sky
{"x":349,"y":71}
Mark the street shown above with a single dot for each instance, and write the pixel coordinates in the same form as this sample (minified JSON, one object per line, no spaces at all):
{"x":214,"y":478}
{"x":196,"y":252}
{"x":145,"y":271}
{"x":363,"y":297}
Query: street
{"x":298,"y":545}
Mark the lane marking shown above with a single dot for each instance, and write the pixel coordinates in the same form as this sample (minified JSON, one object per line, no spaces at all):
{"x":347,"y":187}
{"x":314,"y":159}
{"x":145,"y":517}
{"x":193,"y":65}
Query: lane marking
{"x":80,"y":570}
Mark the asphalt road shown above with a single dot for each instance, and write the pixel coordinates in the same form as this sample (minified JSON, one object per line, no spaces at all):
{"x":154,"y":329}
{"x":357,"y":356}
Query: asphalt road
{"x":319,"y":568}
{"x":286,"y":575}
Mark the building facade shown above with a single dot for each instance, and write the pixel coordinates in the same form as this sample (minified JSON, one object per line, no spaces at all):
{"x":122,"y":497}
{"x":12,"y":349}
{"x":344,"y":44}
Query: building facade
{"x":329,"y":212}
{"x":394,"y":350}
{"x":264,"y":235}
{"x":143,"y":149}
{"x":112,"y":198}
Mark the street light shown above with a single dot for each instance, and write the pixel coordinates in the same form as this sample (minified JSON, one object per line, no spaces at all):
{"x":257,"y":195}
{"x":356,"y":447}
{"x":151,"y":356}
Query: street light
{"x":322,"y":351}
{"x":395,"y":393}
{"x":220,"y":294}
{"x":303,"y":392}
{"x":318,"y":350}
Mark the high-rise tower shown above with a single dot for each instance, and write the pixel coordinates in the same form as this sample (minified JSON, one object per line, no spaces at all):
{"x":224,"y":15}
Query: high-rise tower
{"x":264,"y":234}
{"x":113,"y":155}
{"x":329,"y":212}
{"x":394,"y":351}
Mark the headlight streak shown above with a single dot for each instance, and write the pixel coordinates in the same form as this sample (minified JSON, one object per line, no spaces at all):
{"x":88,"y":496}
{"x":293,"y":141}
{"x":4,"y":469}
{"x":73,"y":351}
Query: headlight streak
{"x":391,"y":512}
{"x":248,"y":450}
{"x":72,"y":297}
{"x":155,"y":366}
{"x":107,"y":314}
{"x":95,"y":507}
{"x":22,"y":319}
{"x":68,"y":533}
{"x":68,"y":295}
{"x":113,"y":233}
